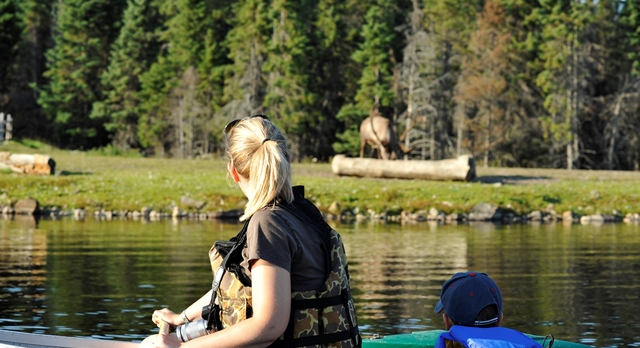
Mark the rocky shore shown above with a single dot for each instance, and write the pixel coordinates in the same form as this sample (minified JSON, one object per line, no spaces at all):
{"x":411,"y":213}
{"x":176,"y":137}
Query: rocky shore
{"x":482,"y":212}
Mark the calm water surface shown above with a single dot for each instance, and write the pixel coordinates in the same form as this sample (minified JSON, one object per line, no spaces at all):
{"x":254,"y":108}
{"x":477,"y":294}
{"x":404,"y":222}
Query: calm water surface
{"x":104,"y":278}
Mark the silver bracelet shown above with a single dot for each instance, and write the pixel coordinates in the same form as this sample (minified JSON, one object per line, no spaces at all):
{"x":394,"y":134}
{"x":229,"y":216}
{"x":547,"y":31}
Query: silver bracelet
{"x":183,"y":315}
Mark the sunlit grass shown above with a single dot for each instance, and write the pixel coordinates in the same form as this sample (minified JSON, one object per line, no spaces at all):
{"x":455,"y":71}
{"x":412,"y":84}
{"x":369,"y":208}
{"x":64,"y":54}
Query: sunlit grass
{"x":96,"y":180}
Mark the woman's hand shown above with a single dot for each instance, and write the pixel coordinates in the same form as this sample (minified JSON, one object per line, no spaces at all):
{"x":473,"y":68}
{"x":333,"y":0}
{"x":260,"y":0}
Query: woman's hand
{"x":166,"y":315}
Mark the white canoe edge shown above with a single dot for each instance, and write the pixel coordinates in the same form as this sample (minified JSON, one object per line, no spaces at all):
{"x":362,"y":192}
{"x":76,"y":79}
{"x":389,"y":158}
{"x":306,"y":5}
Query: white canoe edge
{"x":13,"y":339}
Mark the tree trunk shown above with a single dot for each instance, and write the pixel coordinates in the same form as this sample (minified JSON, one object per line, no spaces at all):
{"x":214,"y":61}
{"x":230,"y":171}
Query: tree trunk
{"x":27,"y":163}
{"x":459,"y":130}
{"x":407,"y":139}
{"x":570,"y":144}
{"x":614,"y":131}
{"x":461,"y":169}
{"x":180,"y":127}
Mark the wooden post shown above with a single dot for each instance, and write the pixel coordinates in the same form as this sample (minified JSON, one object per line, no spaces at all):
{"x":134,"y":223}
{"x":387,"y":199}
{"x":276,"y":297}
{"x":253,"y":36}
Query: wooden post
{"x":8,"y":128}
{"x":5,"y":127}
{"x":2,"y":127}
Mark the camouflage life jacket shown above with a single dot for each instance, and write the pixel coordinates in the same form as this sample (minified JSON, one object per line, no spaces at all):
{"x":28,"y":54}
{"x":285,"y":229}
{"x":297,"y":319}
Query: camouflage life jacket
{"x":319,"y":318}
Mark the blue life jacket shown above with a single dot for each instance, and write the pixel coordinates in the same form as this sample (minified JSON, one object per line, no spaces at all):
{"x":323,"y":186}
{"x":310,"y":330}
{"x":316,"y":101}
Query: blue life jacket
{"x":494,"y":337}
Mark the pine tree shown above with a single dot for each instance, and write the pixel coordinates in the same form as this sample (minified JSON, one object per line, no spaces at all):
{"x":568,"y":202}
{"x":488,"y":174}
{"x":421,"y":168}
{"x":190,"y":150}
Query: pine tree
{"x":132,"y":54}
{"x":289,"y":99}
{"x":562,"y":54}
{"x":375,"y":56}
{"x":247,"y":42}
{"x":333,"y":73}
{"x":10,"y":35}
{"x":449,"y":24}
{"x":523,"y":143}
{"x":84,"y":31}
{"x":37,"y":39}
{"x":622,"y":141}
{"x":179,"y":91}
{"x":483,"y":84}
{"x":153,"y":124}
{"x":418,"y":83}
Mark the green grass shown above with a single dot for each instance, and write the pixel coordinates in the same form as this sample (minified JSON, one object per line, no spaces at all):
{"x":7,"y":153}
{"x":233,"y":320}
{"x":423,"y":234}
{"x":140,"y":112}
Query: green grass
{"x":98,"y":180}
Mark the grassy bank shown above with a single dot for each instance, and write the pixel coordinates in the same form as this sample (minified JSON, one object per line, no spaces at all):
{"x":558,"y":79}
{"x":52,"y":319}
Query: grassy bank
{"x":93,"y":181}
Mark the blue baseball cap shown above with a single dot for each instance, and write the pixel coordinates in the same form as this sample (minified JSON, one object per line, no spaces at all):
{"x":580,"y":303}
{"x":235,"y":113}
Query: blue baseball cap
{"x":464,"y":295}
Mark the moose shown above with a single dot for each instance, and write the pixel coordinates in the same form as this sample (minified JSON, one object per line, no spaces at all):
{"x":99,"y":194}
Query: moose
{"x":377,"y":131}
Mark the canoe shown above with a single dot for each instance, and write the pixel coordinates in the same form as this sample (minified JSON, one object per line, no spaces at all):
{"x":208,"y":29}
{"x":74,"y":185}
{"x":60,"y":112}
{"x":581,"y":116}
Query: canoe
{"x":13,"y":339}
{"x":427,"y":339}
{"x":420,"y":339}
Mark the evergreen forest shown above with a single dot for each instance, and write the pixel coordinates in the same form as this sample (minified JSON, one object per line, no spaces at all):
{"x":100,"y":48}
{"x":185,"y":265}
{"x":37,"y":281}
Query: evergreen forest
{"x":515,"y":83}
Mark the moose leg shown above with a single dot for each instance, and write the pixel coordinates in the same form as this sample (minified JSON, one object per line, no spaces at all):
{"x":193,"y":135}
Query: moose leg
{"x":382,"y":153}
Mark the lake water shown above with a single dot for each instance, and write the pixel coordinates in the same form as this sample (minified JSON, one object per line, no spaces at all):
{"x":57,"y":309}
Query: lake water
{"x":103,"y":279}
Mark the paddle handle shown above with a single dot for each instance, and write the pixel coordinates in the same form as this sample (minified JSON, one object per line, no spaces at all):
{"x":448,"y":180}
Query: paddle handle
{"x":163,"y":327}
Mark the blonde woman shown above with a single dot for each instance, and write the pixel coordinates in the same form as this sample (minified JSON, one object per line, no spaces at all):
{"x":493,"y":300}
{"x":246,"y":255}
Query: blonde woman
{"x":283,"y":280}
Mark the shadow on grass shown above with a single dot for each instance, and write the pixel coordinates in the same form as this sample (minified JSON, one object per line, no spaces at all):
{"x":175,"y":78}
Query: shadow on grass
{"x":513,"y":179}
{"x":68,"y":173}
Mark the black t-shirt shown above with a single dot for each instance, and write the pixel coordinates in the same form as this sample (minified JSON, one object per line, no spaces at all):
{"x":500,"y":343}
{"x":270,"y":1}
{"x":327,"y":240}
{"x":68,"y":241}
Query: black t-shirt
{"x":277,"y":236}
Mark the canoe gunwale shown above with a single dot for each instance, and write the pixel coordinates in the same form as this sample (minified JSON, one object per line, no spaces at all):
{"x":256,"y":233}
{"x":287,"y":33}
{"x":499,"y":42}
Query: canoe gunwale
{"x":11,"y":339}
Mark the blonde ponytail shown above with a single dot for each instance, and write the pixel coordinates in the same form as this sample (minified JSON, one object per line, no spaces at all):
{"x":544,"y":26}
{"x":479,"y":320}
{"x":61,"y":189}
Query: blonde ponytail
{"x":258,"y":151}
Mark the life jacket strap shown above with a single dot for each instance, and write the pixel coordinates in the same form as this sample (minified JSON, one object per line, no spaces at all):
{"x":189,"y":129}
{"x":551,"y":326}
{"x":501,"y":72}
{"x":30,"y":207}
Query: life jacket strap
{"x":316,"y":302}
{"x":322,"y":339}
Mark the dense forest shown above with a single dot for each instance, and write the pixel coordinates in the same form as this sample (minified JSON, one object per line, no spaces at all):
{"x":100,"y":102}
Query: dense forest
{"x":513,"y":82}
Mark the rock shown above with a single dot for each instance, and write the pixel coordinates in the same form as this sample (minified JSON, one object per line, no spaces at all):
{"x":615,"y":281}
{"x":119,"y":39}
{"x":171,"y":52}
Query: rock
{"x":535,"y":215}
{"x":455,"y":217}
{"x":190,"y":202}
{"x":334,"y":208}
{"x":595,"y":218}
{"x":228,"y":214}
{"x":28,"y":206}
{"x":632,"y":218}
{"x":347,"y":215}
{"x":485,"y":212}
{"x":569,"y":216}
{"x":361,"y":217}
{"x":78,"y":214}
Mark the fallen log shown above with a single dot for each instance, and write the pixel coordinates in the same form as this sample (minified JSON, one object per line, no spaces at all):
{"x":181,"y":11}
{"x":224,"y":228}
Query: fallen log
{"x":27,"y":163}
{"x":462,"y":168}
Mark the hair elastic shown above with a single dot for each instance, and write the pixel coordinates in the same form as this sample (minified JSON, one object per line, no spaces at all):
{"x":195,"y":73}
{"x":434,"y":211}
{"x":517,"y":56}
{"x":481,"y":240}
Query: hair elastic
{"x":265,"y":140}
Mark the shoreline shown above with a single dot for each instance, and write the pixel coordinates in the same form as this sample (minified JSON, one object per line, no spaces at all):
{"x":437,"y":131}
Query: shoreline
{"x":87,"y":183}
{"x":482,"y":212}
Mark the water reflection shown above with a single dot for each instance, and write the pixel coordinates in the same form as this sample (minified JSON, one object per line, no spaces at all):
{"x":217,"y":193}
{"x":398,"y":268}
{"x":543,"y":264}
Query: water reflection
{"x":104,"y":278}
